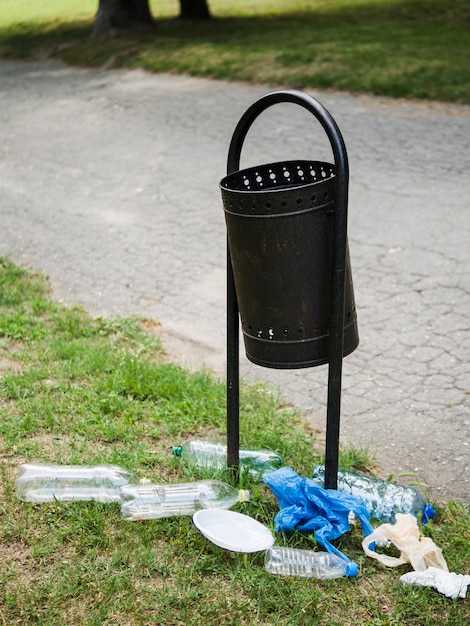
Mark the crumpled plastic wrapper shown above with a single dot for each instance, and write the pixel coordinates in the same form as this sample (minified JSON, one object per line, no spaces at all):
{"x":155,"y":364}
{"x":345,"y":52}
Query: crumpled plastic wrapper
{"x":307,"y":507}
{"x":421,"y":552}
{"x":450,"y":584}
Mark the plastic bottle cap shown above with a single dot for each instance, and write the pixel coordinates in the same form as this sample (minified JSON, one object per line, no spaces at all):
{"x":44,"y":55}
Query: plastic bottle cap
{"x":351,"y":569}
{"x":428,"y":513}
{"x":176,"y":450}
{"x":244,"y":495}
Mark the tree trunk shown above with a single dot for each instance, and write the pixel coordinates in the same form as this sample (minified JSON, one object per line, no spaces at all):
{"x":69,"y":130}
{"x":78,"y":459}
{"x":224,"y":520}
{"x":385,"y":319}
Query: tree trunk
{"x":114,"y":14}
{"x":194,"y":10}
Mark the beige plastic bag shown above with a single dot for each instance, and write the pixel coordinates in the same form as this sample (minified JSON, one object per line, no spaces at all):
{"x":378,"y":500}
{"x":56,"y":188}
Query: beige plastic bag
{"x":421,"y":552}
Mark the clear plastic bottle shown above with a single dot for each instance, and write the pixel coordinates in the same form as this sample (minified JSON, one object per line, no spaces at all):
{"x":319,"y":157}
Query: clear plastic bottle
{"x":208,"y":454}
{"x":151,"y":501}
{"x":381,"y":498}
{"x":37,"y":482}
{"x":307,"y":563}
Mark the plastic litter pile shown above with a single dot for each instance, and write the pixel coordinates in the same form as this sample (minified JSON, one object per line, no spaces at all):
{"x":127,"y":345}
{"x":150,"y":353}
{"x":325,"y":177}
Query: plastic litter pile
{"x":430,"y":567}
{"x":304,"y":506}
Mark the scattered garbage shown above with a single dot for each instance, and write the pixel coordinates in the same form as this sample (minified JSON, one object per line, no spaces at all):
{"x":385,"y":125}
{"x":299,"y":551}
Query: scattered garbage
{"x":382,"y":498}
{"x":306,"y":507}
{"x":241,"y":533}
{"x":46,"y":482}
{"x":448,"y":583}
{"x":286,"y":561}
{"x":152,"y":501}
{"x":233,"y":531}
{"x":421,"y":552}
{"x":430,"y":567}
{"x":213,"y":455}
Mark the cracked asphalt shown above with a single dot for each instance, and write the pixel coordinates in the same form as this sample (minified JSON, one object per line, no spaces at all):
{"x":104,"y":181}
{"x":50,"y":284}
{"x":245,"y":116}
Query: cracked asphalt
{"x":109,"y":185}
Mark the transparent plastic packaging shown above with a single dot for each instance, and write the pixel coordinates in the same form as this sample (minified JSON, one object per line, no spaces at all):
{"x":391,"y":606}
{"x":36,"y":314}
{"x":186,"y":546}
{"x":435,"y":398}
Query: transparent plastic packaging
{"x":212,"y":455}
{"x":307,"y":563}
{"x":152,"y":501}
{"x":404,"y":534}
{"x":382,"y":499}
{"x":38,"y":482}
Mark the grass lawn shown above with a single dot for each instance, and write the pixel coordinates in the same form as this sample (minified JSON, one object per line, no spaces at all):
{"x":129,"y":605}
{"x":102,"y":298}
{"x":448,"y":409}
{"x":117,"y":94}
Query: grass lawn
{"x":398,"y":48}
{"x":79,"y":390}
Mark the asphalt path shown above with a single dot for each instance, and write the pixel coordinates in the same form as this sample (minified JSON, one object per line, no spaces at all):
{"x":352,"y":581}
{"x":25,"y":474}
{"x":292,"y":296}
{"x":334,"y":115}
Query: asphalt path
{"x":109,"y":185}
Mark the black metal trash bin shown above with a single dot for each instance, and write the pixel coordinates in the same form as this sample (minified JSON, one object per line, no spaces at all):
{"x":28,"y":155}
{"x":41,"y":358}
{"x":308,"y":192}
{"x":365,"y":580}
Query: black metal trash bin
{"x":288,"y":268}
{"x":280,"y":220}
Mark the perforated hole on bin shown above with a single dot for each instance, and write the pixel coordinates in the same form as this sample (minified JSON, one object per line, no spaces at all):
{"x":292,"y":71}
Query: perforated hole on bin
{"x":280,"y":175}
{"x":279,"y":332}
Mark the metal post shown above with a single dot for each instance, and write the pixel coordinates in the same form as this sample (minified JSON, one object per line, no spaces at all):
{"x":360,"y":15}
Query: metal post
{"x":233,"y":362}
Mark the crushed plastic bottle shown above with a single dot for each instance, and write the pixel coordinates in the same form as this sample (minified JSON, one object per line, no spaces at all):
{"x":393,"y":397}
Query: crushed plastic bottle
{"x":381,"y":498}
{"x":307,"y":563}
{"x":207,"y":454}
{"x":152,"y":501}
{"x":46,"y":482}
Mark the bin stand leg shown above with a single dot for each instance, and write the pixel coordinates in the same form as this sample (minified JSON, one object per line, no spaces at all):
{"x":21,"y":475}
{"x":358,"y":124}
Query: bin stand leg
{"x":337,"y":319}
{"x":332,"y":425}
{"x":233,"y":373}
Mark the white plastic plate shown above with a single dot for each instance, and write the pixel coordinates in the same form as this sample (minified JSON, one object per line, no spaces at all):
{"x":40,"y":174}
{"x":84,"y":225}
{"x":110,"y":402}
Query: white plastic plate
{"x":233,"y":531}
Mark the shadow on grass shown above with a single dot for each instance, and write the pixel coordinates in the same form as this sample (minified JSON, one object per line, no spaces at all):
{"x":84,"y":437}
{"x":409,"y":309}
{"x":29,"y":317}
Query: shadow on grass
{"x":412,"y":48}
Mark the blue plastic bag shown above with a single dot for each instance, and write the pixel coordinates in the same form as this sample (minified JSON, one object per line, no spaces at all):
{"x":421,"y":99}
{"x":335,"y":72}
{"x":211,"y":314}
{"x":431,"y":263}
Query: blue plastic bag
{"x":306,"y":507}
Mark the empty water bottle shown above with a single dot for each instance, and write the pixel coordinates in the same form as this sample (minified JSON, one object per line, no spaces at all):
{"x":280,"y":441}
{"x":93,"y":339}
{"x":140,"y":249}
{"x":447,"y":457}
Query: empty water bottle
{"x":211,"y":455}
{"x":37,"y":482}
{"x":307,"y":563}
{"x":381,"y":498}
{"x":151,"y":501}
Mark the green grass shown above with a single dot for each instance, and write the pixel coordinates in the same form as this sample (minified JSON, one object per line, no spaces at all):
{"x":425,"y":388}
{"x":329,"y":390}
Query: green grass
{"x":79,"y":390}
{"x":398,"y":48}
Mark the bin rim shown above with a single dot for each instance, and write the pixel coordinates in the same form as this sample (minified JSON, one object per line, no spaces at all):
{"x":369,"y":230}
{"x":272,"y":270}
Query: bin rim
{"x":270,"y":188}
